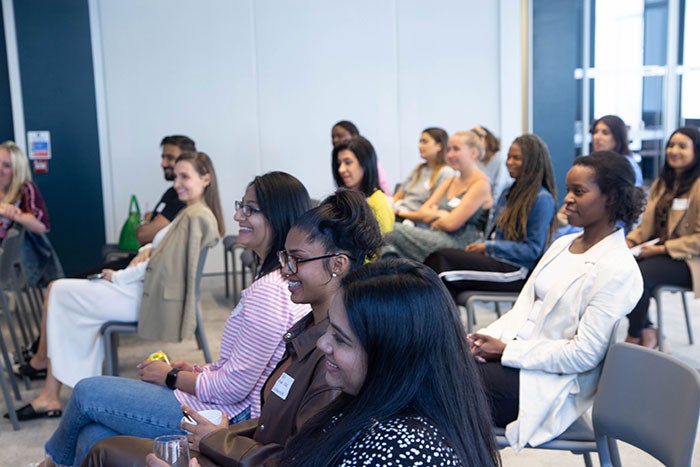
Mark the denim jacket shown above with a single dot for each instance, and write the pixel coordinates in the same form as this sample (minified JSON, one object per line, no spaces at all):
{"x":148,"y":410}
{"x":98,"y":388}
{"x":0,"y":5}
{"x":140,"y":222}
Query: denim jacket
{"x":523,"y":253}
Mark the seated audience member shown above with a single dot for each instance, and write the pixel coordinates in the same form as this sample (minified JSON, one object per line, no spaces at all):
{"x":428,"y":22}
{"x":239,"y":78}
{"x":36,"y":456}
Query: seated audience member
{"x":20,"y":198}
{"x":492,"y":163}
{"x":325,"y":244}
{"x":354,"y":167}
{"x":541,"y":361}
{"x":672,"y":217}
{"x":251,"y":346}
{"x":426,"y":177}
{"x":456,"y":211}
{"x":397,"y":351}
{"x":165,"y":211}
{"x":520,"y":232}
{"x":609,"y":133}
{"x":21,"y":202}
{"x":343,"y":132}
{"x":74,"y":310}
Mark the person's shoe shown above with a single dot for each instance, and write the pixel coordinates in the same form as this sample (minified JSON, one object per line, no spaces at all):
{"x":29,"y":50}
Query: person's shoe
{"x":30,"y":372}
{"x":650,"y":338}
{"x":28,"y":413}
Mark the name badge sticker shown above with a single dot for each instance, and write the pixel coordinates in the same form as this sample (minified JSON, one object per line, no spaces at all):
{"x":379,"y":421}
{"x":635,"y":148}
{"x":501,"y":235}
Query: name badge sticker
{"x":283,"y":385}
{"x":680,"y":204}
{"x":454,"y":202}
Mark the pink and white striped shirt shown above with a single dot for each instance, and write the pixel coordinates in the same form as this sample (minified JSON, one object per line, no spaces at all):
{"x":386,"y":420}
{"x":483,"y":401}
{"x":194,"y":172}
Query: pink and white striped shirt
{"x":251,"y":347}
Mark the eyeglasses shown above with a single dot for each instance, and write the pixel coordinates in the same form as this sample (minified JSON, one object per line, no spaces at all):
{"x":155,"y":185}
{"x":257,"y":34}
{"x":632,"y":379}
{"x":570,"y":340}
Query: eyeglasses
{"x":292,"y":262}
{"x":245,"y":209}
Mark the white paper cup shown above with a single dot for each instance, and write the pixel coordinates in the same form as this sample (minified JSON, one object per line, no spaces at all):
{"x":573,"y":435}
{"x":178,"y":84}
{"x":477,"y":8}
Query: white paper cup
{"x":212,"y":415}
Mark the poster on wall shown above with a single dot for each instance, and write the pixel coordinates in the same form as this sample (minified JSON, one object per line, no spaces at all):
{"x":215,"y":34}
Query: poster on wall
{"x":39,"y":145}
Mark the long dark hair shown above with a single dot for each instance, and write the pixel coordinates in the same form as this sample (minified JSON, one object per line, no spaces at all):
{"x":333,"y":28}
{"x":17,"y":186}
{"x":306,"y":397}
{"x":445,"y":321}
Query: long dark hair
{"x":418,"y":363}
{"x":282,"y":199}
{"x":618,"y":129}
{"x":203,"y":165}
{"x":680,"y":184}
{"x":615,"y":179}
{"x":344,"y":222}
{"x":366,"y":156}
{"x":537,"y":172}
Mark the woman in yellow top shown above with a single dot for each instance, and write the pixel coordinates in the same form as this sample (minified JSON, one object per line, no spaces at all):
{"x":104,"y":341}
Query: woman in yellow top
{"x":355,"y":167}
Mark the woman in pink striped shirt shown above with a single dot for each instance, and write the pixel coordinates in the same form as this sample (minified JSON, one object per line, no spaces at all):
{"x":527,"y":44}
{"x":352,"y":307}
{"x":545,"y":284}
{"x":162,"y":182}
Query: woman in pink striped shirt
{"x":251,"y":346}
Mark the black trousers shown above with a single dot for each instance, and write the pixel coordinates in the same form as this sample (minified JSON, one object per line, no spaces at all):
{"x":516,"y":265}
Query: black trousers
{"x":489,"y":274}
{"x":502,"y":387}
{"x":656,"y":270}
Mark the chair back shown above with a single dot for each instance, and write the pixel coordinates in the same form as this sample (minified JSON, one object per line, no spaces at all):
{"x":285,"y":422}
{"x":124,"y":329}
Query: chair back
{"x":10,"y":254}
{"x":649,"y":400}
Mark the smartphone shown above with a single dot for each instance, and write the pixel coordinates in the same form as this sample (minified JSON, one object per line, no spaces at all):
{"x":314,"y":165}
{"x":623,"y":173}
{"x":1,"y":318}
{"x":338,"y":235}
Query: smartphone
{"x":92,"y":277}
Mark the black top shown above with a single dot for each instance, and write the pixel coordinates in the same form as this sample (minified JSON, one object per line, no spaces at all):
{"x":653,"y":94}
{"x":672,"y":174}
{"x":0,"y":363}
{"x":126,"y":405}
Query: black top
{"x":402,"y":441}
{"x":168,"y":206}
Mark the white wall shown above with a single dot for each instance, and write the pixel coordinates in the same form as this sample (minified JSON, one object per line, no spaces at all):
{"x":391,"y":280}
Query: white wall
{"x":258,"y":84}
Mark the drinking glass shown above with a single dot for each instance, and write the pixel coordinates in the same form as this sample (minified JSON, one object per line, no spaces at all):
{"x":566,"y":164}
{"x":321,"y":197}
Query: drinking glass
{"x":173,"y":449}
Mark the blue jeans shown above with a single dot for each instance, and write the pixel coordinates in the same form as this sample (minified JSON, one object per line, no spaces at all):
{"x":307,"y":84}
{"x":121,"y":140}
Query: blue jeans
{"x":104,"y":406}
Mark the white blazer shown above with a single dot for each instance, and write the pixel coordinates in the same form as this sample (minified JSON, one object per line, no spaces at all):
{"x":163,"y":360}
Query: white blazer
{"x":560,"y":363}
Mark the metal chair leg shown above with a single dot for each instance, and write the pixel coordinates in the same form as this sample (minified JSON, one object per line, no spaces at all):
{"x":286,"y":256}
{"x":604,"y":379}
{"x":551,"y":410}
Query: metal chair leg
{"x":687,"y":318}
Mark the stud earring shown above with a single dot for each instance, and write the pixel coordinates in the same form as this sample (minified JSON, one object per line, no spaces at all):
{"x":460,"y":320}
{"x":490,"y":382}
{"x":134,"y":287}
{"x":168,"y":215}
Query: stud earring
{"x":334,"y":275}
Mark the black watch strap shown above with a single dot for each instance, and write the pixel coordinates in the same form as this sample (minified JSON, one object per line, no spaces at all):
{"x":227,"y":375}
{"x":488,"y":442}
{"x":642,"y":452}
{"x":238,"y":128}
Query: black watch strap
{"x":171,"y":379}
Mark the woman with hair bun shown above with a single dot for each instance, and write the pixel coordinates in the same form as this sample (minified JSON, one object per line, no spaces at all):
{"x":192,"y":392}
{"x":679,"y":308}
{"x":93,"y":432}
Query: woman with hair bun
{"x":672,"y":217}
{"x":541,"y":361}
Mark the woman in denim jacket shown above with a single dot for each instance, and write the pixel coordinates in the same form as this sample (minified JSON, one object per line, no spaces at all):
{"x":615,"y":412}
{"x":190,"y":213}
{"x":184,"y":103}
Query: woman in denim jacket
{"x":519,"y":230}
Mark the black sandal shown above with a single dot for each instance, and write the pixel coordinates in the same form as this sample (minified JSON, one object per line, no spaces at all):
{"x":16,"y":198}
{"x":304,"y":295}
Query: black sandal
{"x":30,"y":372}
{"x":28,"y":413}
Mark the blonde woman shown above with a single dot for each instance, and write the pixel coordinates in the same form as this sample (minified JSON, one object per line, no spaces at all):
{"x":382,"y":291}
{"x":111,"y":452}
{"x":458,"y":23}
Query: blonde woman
{"x":20,"y":198}
{"x":456,"y":211}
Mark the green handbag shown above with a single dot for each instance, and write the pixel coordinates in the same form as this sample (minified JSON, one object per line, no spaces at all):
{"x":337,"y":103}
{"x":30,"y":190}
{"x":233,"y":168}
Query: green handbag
{"x":127,"y":238}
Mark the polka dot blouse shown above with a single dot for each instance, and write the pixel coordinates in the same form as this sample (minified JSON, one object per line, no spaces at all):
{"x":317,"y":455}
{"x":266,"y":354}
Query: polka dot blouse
{"x":403,"y":441}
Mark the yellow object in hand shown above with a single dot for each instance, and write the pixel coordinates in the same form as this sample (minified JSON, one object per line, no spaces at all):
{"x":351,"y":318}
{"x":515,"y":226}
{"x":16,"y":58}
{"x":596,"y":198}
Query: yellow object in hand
{"x":159,"y":355}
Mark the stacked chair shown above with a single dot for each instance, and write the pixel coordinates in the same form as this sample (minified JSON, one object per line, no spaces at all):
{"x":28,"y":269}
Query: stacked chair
{"x":20,"y":315}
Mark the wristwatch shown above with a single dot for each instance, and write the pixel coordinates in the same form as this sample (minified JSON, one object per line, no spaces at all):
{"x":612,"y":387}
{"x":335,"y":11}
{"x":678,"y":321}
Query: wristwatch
{"x":171,"y":379}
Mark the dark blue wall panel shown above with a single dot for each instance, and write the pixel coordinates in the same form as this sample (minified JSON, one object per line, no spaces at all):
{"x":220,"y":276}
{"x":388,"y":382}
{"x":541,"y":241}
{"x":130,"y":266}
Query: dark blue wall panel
{"x":555,"y":52}
{"x":58,"y":89}
{"x":7,"y":130}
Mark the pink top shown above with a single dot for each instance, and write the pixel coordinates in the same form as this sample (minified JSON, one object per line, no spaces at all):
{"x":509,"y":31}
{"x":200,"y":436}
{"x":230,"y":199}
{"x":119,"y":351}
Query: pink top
{"x":251,"y":347}
{"x":384,"y":184}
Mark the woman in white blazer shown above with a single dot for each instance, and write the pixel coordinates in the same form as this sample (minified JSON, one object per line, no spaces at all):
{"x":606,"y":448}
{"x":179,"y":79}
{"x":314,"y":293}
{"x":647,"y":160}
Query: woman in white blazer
{"x":541,"y":361}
